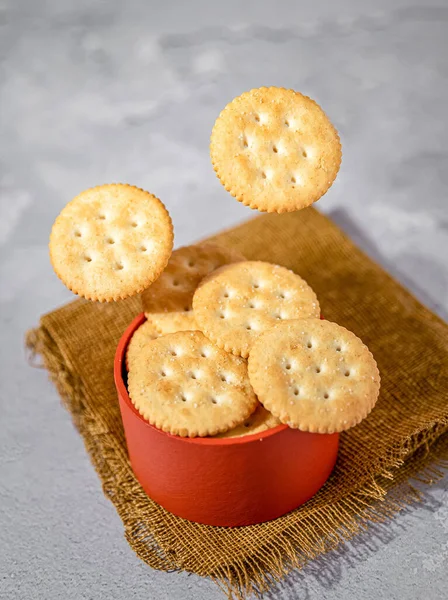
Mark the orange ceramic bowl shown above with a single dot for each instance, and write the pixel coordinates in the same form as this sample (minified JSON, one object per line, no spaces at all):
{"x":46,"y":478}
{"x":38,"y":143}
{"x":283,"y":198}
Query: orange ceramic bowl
{"x":227,"y":482}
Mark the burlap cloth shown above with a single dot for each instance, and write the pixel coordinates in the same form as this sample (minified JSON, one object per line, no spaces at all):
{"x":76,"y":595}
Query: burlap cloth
{"x":402,"y":437}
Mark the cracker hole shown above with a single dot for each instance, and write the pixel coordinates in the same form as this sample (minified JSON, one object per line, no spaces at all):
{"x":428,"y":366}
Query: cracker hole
{"x":222,"y":316}
{"x":226,"y":295}
{"x":173,"y":352}
{"x":309,"y":345}
{"x":191,"y":263}
{"x":187,"y":308}
{"x":278,"y":317}
{"x":163,"y":373}
{"x":119,"y":267}
{"x":78,"y":234}
{"x":205,"y":353}
{"x":175,"y":283}
{"x":251,"y":305}
{"x":293,"y":180}
{"x":193,"y":376}
{"x":248,"y":327}
{"x":304,"y":154}
{"x":338,"y":348}
{"x":287,"y":123}
{"x":257,"y":118}
{"x":282,"y":295}
{"x":326,"y":395}
{"x":246,"y":425}
{"x":134,"y":224}
{"x":318,"y":369}
{"x":214,"y":401}
{"x":102,"y":217}
{"x":256,"y":286}
{"x":296,"y":391}
{"x":347,"y":373}
{"x":263,"y":175}
{"x":275,"y":149}
{"x":223,"y":378}
{"x":88,"y":259}
{"x":183,"y":398}
{"x":245,"y":142}
{"x":288,"y":366}
{"x":109,"y":240}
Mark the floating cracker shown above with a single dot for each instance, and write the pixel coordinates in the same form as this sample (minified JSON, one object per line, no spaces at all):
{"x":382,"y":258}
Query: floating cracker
{"x":275,"y":150}
{"x":111,"y":242}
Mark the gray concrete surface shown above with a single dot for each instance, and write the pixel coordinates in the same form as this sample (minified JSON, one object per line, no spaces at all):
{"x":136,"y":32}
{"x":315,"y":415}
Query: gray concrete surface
{"x":97,"y":92}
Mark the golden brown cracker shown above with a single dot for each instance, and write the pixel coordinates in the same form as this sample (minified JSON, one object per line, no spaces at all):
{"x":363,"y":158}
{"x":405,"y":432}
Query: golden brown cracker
{"x":236,"y":303}
{"x":185,"y":385}
{"x":275,"y":150}
{"x":314,"y":375}
{"x":111,"y":242}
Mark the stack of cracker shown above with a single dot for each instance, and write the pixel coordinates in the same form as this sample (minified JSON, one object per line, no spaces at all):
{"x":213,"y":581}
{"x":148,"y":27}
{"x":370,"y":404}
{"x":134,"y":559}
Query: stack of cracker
{"x":230,"y":347}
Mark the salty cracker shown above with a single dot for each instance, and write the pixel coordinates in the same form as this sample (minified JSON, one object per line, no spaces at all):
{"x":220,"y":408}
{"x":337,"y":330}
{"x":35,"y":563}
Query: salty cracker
{"x":142,"y":336}
{"x":173,"y":291}
{"x":171,"y":322}
{"x":314,"y":375}
{"x":184,"y":385}
{"x":275,"y":150}
{"x":261,"y":420}
{"x":111,"y":242}
{"x":236,"y":303}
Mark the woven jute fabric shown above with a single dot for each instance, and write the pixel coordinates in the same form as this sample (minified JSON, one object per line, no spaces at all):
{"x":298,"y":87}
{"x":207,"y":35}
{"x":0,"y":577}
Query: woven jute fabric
{"x":403,"y":438}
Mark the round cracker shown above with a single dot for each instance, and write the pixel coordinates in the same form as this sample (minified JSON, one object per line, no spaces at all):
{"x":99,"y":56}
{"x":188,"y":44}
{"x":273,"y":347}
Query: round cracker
{"x":173,"y":291}
{"x":261,"y":420}
{"x":184,"y":385}
{"x":111,"y":242}
{"x":142,"y":336}
{"x":275,"y":150}
{"x":314,"y":375}
{"x":236,"y":303}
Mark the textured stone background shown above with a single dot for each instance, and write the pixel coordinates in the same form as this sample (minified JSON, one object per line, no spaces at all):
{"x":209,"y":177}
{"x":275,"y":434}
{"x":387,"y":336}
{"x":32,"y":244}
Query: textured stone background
{"x":96,"y":92}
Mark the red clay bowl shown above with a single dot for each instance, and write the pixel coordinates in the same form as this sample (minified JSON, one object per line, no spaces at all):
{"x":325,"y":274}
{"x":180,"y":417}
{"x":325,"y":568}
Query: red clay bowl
{"x":227,"y":482}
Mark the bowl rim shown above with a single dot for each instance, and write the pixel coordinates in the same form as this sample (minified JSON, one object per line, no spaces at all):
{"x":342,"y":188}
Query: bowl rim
{"x":119,"y":364}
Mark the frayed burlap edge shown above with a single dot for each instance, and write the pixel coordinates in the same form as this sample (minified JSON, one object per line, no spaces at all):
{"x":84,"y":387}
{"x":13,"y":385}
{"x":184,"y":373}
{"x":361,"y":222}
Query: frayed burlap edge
{"x":421,"y":457}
